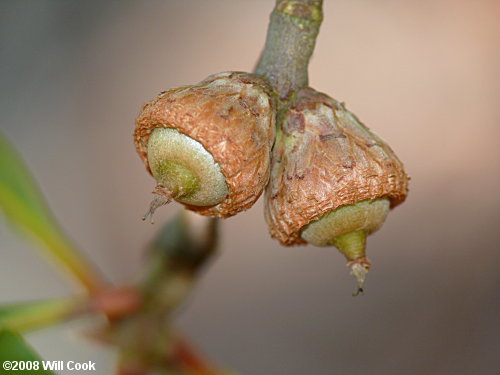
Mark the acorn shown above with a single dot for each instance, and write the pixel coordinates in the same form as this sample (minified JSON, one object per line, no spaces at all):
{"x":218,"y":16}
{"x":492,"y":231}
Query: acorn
{"x":332,"y":180}
{"x":208,"y":145}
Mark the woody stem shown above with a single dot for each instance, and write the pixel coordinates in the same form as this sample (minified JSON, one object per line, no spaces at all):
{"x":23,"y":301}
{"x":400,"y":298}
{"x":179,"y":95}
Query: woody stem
{"x":291,"y":37}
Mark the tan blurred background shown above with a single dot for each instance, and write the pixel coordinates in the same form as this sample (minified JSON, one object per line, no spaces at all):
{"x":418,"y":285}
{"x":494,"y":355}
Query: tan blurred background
{"x":424,"y":75}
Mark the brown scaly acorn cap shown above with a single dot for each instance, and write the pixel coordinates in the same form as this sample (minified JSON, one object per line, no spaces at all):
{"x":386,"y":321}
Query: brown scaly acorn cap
{"x":231,"y":115}
{"x":325,"y":158}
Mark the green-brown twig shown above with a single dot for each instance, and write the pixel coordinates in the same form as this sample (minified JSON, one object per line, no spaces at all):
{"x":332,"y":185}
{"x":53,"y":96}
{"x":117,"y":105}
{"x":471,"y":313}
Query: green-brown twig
{"x":291,"y":38}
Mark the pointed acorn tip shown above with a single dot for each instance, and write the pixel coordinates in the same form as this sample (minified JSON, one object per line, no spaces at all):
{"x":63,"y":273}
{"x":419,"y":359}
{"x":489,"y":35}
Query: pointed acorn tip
{"x":161,"y":197}
{"x":359,"y":269}
{"x":358,"y":292}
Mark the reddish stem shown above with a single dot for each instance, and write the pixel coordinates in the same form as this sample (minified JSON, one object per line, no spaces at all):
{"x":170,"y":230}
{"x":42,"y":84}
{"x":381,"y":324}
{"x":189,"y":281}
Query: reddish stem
{"x":117,"y":302}
{"x":191,"y":360}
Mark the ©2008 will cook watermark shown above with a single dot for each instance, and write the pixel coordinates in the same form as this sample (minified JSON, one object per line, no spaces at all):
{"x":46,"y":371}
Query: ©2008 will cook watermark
{"x":32,"y":366}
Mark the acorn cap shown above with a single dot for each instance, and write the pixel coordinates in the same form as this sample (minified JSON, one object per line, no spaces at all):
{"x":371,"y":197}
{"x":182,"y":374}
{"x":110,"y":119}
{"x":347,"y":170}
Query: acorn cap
{"x":232,"y":115}
{"x":325,"y":158}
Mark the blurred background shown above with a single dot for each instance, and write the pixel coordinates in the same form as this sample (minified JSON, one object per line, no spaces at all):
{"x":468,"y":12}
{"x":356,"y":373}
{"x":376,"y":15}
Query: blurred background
{"x":424,"y":75}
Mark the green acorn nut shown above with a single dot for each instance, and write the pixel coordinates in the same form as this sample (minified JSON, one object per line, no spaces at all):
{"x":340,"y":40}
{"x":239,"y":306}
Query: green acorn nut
{"x":185,"y":173}
{"x":208,"y":146}
{"x":332,"y":180}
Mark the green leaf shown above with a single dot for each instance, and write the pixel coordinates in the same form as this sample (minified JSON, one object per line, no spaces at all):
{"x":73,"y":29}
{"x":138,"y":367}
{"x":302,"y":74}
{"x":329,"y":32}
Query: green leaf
{"x":24,"y":206}
{"x":26,"y":316}
{"x":13,"y":349}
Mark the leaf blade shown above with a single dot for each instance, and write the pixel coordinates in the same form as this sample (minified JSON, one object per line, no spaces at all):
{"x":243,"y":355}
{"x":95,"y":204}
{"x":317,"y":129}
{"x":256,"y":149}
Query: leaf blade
{"x":26,"y":316}
{"x":24,"y":206}
{"x":14,"y":348}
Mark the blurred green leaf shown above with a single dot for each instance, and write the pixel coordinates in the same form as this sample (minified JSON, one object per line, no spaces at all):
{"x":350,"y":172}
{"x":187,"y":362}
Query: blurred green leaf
{"x":36,"y":314}
{"x":14,"y":348}
{"x":24,"y":206}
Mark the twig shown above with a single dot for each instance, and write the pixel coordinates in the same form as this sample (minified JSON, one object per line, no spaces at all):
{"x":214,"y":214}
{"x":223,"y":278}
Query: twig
{"x":145,"y":338}
{"x":290,"y":42}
